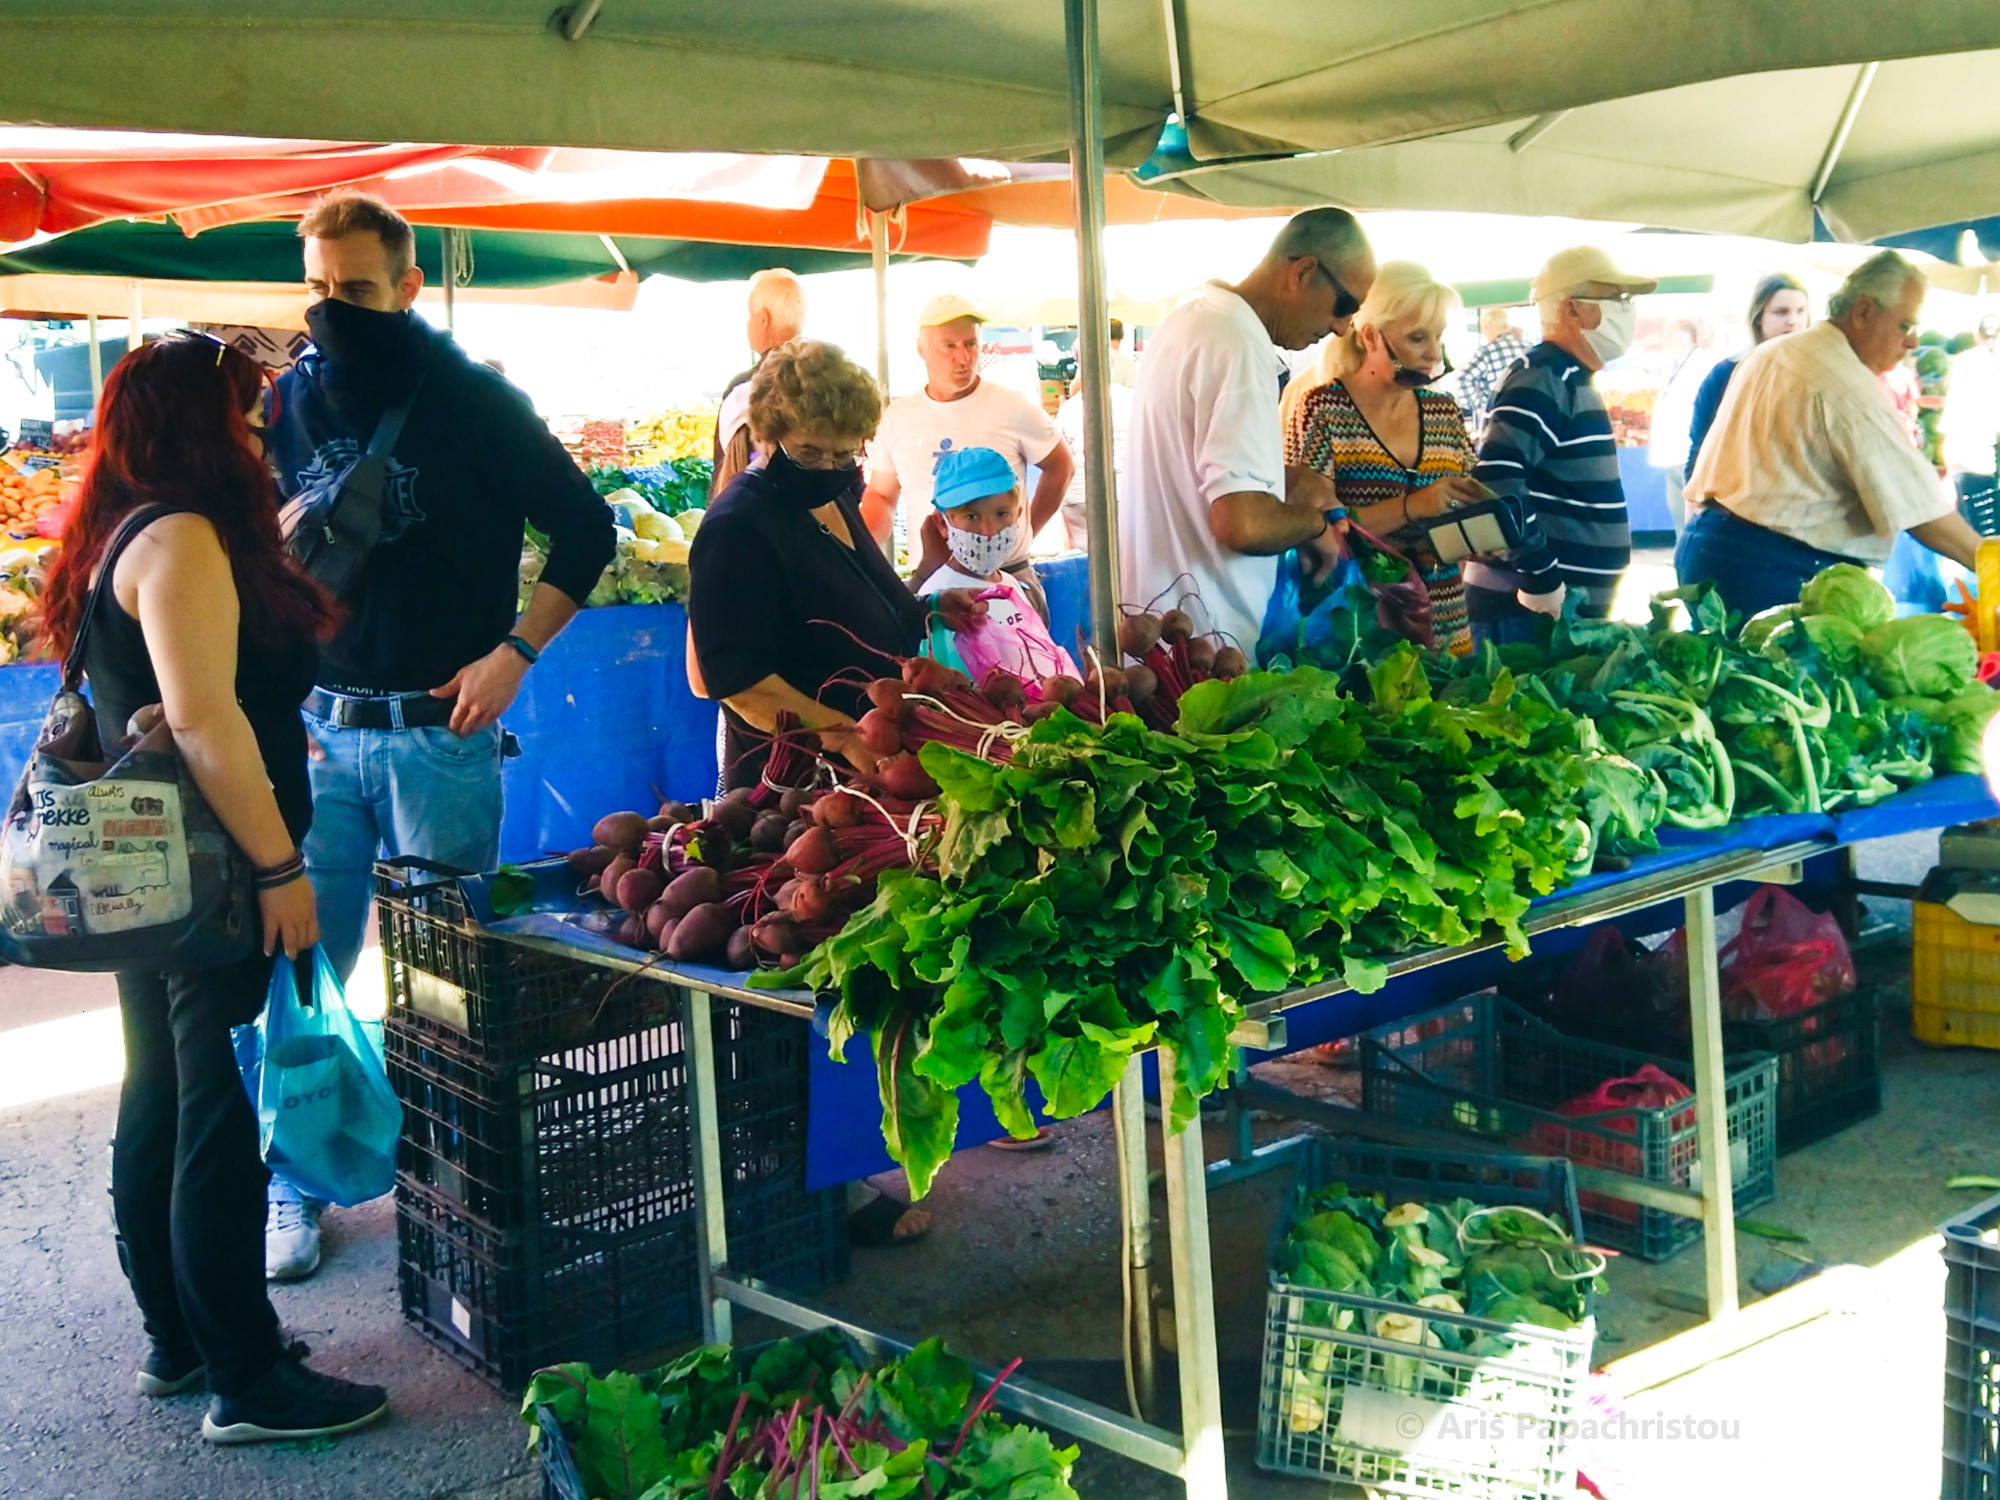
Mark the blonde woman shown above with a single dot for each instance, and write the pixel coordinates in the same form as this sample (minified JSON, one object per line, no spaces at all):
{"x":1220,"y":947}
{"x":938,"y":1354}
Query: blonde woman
{"x":1398,"y":454}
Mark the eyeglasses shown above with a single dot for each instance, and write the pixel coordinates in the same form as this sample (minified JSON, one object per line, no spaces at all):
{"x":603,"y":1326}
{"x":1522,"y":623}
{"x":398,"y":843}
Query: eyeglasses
{"x":1620,"y":299}
{"x":821,"y":458}
{"x":1345,"y":303}
{"x":267,"y":404}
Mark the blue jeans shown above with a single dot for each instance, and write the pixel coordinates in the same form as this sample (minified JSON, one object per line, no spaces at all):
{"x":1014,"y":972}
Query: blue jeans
{"x":1496,"y":616}
{"x":1752,"y":568}
{"x":426,"y":793}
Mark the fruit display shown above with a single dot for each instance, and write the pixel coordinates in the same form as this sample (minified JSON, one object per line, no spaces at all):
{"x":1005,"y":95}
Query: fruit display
{"x":688,"y":432}
{"x":26,"y":496}
{"x":672,"y":487}
{"x":650,"y":566}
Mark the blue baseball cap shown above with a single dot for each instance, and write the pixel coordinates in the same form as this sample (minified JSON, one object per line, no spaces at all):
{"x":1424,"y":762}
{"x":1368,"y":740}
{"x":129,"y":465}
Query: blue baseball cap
{"x":968,"y":474}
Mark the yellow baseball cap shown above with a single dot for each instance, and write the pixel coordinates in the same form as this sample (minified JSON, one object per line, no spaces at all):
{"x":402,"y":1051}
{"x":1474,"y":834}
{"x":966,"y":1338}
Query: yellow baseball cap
{"x":948,"y":307}
{"x":1583,"y":264}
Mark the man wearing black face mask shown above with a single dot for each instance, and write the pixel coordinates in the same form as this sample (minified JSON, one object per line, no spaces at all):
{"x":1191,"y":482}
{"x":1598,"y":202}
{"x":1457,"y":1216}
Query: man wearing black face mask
{"x":430,"y":653}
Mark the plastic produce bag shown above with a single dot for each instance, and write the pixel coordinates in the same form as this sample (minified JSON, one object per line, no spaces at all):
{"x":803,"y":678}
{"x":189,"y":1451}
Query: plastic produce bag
{"x":1300,"y":616}
{"x":327,"y":1119}
{"x":1648,"y":1088}
{"x":1786,"y":958}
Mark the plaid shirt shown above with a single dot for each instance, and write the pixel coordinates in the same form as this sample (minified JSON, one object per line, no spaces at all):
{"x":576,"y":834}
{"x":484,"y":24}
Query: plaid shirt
{"x":1482,"y":377}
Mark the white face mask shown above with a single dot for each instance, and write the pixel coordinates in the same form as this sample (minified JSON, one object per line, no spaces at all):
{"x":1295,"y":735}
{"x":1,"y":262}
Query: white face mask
{"x":979,"y":555}
{"x":1615,"y":324}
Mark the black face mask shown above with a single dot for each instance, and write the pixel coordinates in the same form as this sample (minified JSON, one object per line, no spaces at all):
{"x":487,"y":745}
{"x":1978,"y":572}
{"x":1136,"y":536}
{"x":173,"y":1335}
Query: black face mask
{"x":360,"y":338}
{"x":809,"y":489}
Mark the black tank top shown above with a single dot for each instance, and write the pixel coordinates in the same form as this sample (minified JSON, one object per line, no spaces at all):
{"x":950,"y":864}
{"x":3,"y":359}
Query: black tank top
{"x":274,"y":673}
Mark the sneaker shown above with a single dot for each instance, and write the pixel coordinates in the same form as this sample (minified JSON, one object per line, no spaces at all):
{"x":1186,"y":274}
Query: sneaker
{"x":291,"y":1403}
{"x":168,"y":1372}
{"x":291,"y":1233}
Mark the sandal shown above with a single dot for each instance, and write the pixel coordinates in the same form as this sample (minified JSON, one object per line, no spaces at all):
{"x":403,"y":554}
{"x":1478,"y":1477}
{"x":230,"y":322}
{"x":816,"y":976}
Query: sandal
{"x":873,"y":1226}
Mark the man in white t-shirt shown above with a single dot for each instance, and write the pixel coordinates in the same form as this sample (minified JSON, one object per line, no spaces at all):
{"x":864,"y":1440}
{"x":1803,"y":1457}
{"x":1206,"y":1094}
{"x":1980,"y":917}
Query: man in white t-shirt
{"x":1209,"y":504}
{"x":777,"y":314}
{"x":957,"y":409}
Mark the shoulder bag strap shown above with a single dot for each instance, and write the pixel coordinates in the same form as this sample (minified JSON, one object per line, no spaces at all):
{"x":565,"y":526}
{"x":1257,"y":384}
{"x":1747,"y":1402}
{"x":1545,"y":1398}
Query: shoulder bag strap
{"x":135,"y":523}
{"x":390,"y":426}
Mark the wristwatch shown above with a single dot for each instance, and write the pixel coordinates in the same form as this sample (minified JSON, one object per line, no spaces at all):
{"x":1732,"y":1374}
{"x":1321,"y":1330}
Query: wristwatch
{"x":522,"y":649}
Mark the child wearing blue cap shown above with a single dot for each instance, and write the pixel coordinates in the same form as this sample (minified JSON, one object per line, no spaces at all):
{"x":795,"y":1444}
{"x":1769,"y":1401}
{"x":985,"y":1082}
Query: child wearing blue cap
{"x":981,"y":508}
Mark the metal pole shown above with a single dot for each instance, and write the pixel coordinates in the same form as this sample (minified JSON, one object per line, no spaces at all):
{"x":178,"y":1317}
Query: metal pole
{"x":1135,"y":1202}
{"x":1086,"y":170}
{"x":1711,"y":1113}
{"x":96,"y":363}
{"x":711,"y":1223}
{"x":878,"y":256}
{"x":449,"y":238}
{"x":1206,"y":1472}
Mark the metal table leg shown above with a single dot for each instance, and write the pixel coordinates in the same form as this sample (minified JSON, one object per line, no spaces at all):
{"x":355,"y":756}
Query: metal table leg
{"x":1194,"y":1302}
{"x":1135,"y":1203}
{"x":711,"y":1222}
{"x":1718,"y":1207}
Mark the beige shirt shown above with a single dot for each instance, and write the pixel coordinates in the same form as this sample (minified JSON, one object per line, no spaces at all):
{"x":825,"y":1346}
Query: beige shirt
{"x":1808,"y":444}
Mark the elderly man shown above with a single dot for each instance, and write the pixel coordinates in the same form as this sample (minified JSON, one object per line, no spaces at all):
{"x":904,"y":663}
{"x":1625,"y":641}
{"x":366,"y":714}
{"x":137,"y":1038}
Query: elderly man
{"x":777,"y":316}
{"x":1548,"y":451}
{"x":1501,"y":350}
{"x":1210,"y":504}
{"x":957,"y":409}
{"x":1808,"y":463}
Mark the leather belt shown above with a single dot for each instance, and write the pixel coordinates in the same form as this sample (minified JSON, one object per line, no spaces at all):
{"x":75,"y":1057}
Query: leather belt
{"x":409,"y":711}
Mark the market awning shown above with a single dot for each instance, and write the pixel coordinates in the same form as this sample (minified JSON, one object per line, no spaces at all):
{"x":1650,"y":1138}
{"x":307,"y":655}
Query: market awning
{"x":916,"y":78}
{"x":269,"y":252}
{"x":1870,"y":149}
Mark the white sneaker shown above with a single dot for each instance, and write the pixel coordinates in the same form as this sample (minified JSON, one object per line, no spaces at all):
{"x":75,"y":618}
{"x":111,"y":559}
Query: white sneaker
{"x":291,"y":1233}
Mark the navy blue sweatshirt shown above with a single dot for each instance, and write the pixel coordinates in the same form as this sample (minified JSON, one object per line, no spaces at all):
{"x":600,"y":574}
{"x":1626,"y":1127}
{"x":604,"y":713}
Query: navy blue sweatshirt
{"x":474,"y":464}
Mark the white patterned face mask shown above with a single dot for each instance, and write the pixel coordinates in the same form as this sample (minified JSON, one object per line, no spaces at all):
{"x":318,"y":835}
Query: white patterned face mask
{"x":979,"y":555}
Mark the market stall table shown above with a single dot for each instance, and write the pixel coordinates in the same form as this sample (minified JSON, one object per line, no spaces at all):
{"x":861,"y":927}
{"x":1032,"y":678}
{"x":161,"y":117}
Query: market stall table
{"x":1689,"y":869}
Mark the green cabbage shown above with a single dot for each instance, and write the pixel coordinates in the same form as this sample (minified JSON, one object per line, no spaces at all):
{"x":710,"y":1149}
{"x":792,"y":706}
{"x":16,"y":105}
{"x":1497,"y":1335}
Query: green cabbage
{"x":1962,"y":728}
{"x":1851,"y":592}
{"x":1838,"y":638}
{"x":1924,"y":655}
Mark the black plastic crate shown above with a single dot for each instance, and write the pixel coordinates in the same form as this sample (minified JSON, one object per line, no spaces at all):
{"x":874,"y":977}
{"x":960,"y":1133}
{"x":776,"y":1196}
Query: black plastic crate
{"x":1488,"y":1067}
{"x":506,"y":1301}
{"x":1829,"y":1057}
{"x":492,"y":1000}
{"x":1979,"y":504}
{"x":1972,"y":1354}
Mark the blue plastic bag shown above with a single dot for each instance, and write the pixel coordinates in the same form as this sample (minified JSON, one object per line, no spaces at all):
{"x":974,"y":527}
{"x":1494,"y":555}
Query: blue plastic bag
{"x":327,"y":1119}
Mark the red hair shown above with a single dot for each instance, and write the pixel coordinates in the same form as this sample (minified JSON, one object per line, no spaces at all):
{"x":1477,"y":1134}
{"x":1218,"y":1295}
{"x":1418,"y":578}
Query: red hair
{"x":171,"y":430}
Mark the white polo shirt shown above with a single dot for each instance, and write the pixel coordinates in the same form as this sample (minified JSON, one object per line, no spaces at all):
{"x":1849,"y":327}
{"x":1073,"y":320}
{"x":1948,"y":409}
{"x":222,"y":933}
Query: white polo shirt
{"x":1204,"y":424}
{"x":1808,"y":444}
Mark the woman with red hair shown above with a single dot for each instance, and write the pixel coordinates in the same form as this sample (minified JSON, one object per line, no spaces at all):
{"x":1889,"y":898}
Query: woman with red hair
{"x":205,"y":615}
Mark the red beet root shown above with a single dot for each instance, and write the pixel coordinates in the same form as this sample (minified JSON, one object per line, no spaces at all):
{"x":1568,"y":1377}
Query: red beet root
{"x":620,"y":831}
{"x":702,"y":935}
{"x":639,"y":889}
{"x":696,"y":886}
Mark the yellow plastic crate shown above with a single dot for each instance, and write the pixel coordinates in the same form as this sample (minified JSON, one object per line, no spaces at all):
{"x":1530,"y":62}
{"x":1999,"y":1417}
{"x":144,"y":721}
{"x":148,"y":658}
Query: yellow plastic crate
{"x":1955,"y":962}
{"x":1986,"y":611}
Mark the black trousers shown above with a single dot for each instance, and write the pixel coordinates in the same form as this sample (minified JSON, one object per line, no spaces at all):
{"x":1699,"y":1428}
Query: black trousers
{"x":187,"y":1185}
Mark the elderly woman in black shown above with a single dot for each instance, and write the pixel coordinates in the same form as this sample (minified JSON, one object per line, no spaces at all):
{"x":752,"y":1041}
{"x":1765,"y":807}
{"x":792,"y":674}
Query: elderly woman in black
{"x":790,"y":602}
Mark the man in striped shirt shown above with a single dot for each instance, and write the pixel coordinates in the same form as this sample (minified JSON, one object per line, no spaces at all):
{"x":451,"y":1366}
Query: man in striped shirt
{"x":1549,"y":454}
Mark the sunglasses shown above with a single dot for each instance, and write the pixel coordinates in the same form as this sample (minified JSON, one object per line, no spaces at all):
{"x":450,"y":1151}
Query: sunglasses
{"x":1345,"y":303}
{"x":1413,"y":379}
{"x":267,"y":404}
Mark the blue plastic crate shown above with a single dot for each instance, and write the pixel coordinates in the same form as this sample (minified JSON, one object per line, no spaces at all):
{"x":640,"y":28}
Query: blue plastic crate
{"x":1339,"y":1403}
{"x":1972,"y":1354}
{"x":1485,"y":1066}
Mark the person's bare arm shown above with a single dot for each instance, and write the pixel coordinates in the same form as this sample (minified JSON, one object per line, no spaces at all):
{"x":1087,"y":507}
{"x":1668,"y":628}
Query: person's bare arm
{"x":178,"y":577}
{"x":1950,"y":536}
{"x":1259,"y":524}
{"x":1058,"y":467}
{"x":878,"y":508}
{"x":760,"y":704}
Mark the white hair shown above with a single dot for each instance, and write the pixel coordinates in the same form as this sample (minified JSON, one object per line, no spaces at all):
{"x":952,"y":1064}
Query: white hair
{"x":1880,"y":278}
{"x":1331,"y":236}
{"x":778,"y":293}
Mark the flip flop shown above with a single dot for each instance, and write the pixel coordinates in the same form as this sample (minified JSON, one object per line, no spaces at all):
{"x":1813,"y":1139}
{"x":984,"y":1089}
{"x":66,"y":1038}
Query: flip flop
{"x":1041,"y":1141}
{"x":873,"y":1226}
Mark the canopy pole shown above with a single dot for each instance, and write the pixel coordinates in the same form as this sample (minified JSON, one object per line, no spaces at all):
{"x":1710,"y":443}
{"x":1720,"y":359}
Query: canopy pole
{"x":1086,"y":172}
{"x":449,"y":239}
{"x":132,"y":334}
{"x":1848,"y":115}
{"x":878,"y":257}
{"x":96,"y":363}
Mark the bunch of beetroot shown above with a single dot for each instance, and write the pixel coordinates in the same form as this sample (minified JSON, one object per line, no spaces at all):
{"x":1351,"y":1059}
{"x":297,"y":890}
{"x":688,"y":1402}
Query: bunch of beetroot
{"x":1169,"y":658}
{"x":742,"y":885}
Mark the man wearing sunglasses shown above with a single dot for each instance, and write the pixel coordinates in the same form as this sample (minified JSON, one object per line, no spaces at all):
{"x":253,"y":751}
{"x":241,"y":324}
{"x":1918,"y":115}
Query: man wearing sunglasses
{"x":1549,"y":454}
{"x":1209,"y":504}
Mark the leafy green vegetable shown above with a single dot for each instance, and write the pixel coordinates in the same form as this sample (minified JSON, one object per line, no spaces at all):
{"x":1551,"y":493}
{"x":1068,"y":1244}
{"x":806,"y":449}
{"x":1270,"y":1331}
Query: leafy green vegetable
{"x":1928,"y":655}
{"x":512,"y":889}
{"x":1851,"y":592}
{"x":1980,"y":1180}
{"x":1961,"y":729}
{"x":1765,"y":1231}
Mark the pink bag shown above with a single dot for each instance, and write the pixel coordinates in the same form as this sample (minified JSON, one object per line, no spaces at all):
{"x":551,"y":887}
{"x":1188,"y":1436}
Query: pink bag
{"x":1787,"y":958}
{"x":1649,"y":1088}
